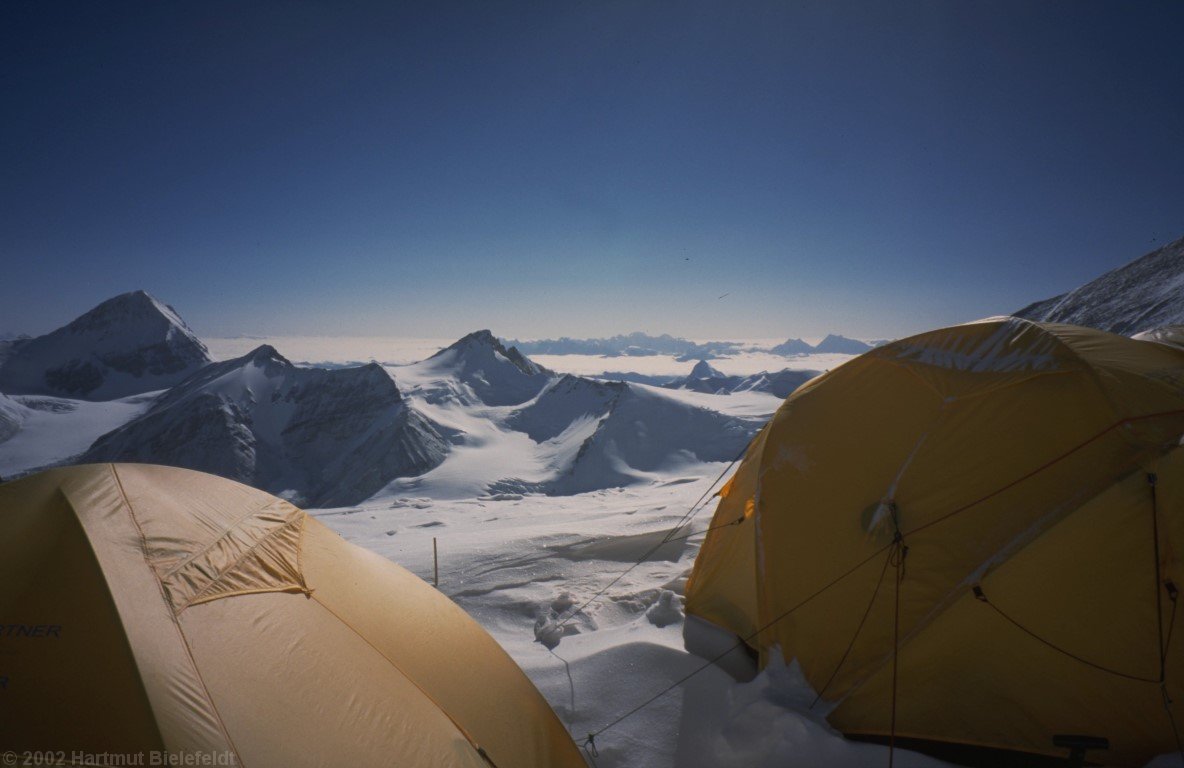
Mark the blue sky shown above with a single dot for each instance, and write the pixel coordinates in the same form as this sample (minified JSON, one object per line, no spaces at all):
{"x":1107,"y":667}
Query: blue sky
{"x":582,"y":169}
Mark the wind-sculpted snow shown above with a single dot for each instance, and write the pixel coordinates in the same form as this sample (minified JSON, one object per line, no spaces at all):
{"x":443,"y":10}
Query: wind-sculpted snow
{"x":526,"y":566}
{"x":1146,"y":293}
{"x":996,"y":352}
{"x":1172,"y":335}
{"x":320,"y":437}
{"x":12,"y":415}
{"x":127,"y":345}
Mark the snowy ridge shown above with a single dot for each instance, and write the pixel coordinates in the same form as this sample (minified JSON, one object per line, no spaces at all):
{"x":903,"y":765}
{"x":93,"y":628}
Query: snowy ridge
{"x":644,"y":432}
{"x":1146,"y":293}
{"x":127,"y":345}
{"x":571,"y":435}
{"x":315,"y":436}
{"x":479,"y":369}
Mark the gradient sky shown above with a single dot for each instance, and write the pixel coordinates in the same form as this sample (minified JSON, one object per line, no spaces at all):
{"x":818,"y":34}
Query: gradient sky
{"x":562,"y":168}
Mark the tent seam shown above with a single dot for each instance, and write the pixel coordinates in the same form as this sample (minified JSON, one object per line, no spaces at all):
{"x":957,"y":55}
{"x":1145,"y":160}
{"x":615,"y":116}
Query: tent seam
{"x":139,"y":674}
{"x":176,"y":625}
{"x":955,"y":595}
{"x":241,"y":592}
{"x":460,"y":729}
{"x":225,"y":532}
{"x":239,"y":561}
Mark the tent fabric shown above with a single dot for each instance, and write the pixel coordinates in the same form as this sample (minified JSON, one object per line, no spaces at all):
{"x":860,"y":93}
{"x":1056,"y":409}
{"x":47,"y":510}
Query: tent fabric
{"x":1005,"y":455}
{"x":151,"y":608}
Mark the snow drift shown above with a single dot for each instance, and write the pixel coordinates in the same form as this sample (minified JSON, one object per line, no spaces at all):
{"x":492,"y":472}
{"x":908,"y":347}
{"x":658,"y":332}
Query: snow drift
{"x":12,"y":414}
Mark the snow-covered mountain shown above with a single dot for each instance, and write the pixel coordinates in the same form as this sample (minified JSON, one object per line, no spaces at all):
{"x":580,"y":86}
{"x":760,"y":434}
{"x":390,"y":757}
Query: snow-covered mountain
{"x":476,"y":417}
{"x":323,"y":437}
{"x":835,"y":344}
{"x":792,"y":347}
{"x":704,"y":378}
{"x":782,"y":383}
{"x":1146,"y":293}
{"x":129,"y":344}
{"x":478,"y":369}
{"x":598,"y":434}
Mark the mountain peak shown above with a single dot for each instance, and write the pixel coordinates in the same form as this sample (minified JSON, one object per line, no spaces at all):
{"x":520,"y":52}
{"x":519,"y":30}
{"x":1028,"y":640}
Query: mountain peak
{"x":483,"y":336}
{"x":792,"y":347}
{"x":703,"y":370}
{"x":128,"y":344}
{"x":485,"y":340}
{"x":265,"y":353}
{"x":836,"y":344}
{"x":134,"y":306}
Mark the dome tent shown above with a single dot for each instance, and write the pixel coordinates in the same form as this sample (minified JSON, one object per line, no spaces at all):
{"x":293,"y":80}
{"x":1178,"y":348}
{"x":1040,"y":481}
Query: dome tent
{"x":1002,"y":471}
{"x":146,"y":609}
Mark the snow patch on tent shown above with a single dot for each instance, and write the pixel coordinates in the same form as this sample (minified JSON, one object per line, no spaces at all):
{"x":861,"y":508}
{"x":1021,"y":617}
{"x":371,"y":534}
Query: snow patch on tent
{"x":1001,"y":351}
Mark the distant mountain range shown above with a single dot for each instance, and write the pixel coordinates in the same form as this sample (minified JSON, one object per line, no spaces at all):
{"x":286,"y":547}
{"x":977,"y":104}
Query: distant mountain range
{"x":643,"y":345}
{"x":479,"y":411}
{"x":629,"y":345}
{"x":336,"y":437}
{"x":832,"y":344}
{"x":1140,"y":296}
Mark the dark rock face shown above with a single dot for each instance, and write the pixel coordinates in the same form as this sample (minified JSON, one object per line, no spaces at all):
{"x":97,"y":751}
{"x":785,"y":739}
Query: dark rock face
{"x":1145,"y":294}
{"x":320,"y":437}
{"x":127,"y":345}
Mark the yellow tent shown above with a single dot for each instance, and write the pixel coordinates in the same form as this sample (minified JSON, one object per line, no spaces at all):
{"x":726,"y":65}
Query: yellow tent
{"x":981,"y":523}
{"x":155,"y":611}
